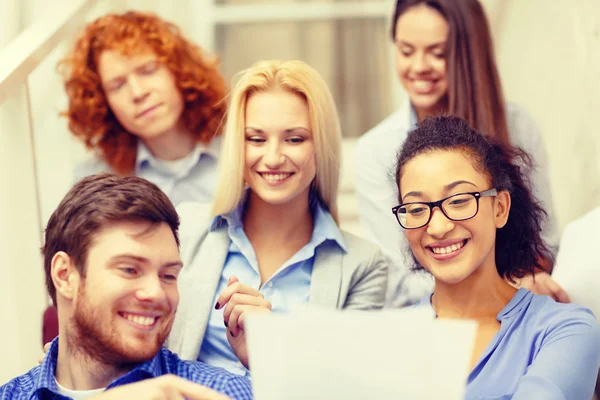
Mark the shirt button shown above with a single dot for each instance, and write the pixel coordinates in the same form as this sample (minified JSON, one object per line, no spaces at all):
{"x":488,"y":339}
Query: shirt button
{"x":270,"y":284}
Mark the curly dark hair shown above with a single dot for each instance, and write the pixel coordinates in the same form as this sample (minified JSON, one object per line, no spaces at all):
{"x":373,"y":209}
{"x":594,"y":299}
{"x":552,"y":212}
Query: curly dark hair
{"x":520,"y":248}
{"x":90,"y":118}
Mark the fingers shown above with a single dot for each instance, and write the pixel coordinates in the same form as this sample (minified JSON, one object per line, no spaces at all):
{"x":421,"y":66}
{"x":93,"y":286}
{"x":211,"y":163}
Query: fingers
{"x":544,"y":284}
{"x":557,"y":292}
{"x":240,"y":304}
{"x":46,"y":348}
{"x":235,"y":287}
{"x":232,"y":279}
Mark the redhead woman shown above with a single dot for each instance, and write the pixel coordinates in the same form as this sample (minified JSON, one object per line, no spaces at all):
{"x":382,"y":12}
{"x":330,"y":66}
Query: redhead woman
{"x":147,"y":102}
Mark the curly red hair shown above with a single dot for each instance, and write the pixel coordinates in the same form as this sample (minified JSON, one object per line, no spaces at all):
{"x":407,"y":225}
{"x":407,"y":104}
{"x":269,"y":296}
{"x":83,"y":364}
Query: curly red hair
{"x":90,"y":118}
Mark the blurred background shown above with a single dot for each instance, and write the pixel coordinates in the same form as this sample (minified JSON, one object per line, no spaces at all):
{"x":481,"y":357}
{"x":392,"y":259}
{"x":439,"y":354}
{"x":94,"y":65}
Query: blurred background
{"x":548,"y":54}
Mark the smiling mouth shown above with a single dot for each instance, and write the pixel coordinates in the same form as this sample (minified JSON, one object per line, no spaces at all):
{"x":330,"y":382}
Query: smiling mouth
{"x":275,"y":177}
{"x":141,"y":321}
{"x":447,"y":249}
{"x":424,"y":86}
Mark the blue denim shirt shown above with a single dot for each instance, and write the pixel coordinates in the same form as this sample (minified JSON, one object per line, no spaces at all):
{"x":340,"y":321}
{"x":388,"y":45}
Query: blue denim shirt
{"x":40,"y":384}
{"x":287,"y":288}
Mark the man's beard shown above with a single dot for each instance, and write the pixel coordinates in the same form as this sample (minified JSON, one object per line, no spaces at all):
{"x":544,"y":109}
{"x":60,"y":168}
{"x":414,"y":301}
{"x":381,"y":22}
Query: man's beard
{"x":95,"y":338}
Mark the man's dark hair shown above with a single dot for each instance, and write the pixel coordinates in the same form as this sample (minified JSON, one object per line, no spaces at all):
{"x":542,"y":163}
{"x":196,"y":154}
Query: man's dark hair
{"x":520,"y":248}
{"x":95,"y":202}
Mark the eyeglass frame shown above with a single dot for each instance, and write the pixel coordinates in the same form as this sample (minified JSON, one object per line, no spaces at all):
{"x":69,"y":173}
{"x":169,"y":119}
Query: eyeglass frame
{"x":432,"y":204}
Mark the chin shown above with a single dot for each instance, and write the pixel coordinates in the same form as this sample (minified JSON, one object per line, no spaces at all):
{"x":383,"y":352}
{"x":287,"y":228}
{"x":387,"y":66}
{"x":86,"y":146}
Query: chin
{"x":448,"y":274}
{"x":137,"y":351}
{"x":428,"y":102}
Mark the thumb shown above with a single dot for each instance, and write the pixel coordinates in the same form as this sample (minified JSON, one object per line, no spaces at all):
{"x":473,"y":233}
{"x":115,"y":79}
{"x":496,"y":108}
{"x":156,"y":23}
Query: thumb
{"x":232,"y":279}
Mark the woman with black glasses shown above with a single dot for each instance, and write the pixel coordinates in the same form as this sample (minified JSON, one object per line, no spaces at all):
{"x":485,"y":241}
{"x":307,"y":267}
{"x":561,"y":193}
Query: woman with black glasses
{"x":446,"y":65}
{"x":472,"y":222}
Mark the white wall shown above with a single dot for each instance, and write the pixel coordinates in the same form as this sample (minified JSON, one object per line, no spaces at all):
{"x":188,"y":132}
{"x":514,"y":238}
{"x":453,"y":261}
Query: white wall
{"x":549,"y":59}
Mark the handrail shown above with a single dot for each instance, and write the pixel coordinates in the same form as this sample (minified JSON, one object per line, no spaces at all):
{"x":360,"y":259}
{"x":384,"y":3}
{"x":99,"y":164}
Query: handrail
{"x":24,"y":53}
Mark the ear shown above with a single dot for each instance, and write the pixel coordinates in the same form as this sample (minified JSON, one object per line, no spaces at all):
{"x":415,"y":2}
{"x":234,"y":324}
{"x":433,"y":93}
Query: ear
{"x":64,"y":275}
{"x":502,"y":208}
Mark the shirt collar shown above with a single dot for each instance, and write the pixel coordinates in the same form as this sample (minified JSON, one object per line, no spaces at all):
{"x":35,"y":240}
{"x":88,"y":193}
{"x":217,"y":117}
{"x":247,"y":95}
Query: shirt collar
{"x":212,"y":149}
{"x":46,"y":381}
{"x":324,"y":227}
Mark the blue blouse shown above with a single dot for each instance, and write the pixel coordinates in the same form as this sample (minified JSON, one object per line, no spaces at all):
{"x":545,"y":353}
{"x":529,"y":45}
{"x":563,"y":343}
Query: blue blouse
{"x":289,"y":286}
{"x":544,"y":350}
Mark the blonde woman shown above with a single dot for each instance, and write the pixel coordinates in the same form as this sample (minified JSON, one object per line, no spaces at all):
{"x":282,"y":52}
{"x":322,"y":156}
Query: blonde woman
{"x":272,"y":241}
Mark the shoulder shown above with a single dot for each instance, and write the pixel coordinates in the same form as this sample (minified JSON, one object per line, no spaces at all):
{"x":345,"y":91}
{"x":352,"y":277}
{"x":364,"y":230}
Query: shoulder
{"x":390,"y":132}
{"x":577,"y":238}
{"x":585,"y":225}
{"x":21,"y":386}
{"x":522,"y":127}
{"x":557,"y":320}
{"x":357,"y":245}
{"x":194,"y":218}
{"x":90,"y":165}
{"x":362,"y":252}
{"x":237,"y":387}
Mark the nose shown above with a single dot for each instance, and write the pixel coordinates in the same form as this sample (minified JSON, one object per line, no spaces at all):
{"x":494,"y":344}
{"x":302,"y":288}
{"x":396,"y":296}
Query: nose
{"x":439,"y":225}
{"x":138,"y":89}
{"x":151,"y":290}
{"x":420,"y":63}
{"x":273,"y":157}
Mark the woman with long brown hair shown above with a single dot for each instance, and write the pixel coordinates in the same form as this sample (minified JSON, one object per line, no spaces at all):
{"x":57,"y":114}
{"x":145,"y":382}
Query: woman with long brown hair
{"x":445,"y":63}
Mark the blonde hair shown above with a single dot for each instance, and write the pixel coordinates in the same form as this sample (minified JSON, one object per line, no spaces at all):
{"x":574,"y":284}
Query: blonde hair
{"x":298,"y":78}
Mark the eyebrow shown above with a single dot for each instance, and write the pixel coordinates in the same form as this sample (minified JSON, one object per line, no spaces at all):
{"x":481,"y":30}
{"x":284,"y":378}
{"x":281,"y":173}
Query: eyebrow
{"x":143,"y":260}
{"x":289,"y":130}
{"x":447,"y":188}
{"x":401,"y":42}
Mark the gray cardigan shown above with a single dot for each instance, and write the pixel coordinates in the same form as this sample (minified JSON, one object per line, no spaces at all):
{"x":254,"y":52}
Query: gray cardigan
{"x":354,"y":280}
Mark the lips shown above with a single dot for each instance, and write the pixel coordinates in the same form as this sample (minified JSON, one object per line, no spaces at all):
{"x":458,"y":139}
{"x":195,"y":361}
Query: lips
{"x":424,"y":86}
{"x":447,"y":249}
{"x":275,"y":177}
{"x":148,"y":111}
{"x":143,"y":321}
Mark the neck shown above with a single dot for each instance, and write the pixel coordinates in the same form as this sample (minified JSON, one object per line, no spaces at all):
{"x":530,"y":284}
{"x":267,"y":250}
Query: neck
{"x":281,"y":222}
{"x":483,"y":294}
{"x":172,"y":145}
{"x":440,"y":108}
{"x":77,"y":371}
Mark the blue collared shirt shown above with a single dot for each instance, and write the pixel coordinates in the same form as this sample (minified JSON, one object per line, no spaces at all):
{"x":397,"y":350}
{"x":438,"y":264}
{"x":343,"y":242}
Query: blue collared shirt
{"x":544,"y":350}
{"x":39,"y":383}
{"x":287,"y":288}
{"x":193,"y":178}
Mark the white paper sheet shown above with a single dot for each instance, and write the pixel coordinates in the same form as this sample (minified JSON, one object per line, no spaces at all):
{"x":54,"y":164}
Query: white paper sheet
{"x":395,"y":354}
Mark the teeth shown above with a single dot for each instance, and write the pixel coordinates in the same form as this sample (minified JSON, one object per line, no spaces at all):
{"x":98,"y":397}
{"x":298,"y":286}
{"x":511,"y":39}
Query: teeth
{"x":447,"y":249}
{"x":140,"y":320}
{"x":275,"y":177}
{"x":423,"y":85}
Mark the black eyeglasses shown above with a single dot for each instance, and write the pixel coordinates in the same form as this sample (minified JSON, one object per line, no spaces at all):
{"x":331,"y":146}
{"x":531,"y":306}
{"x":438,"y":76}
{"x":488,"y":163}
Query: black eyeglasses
{"x":458,"y":207}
